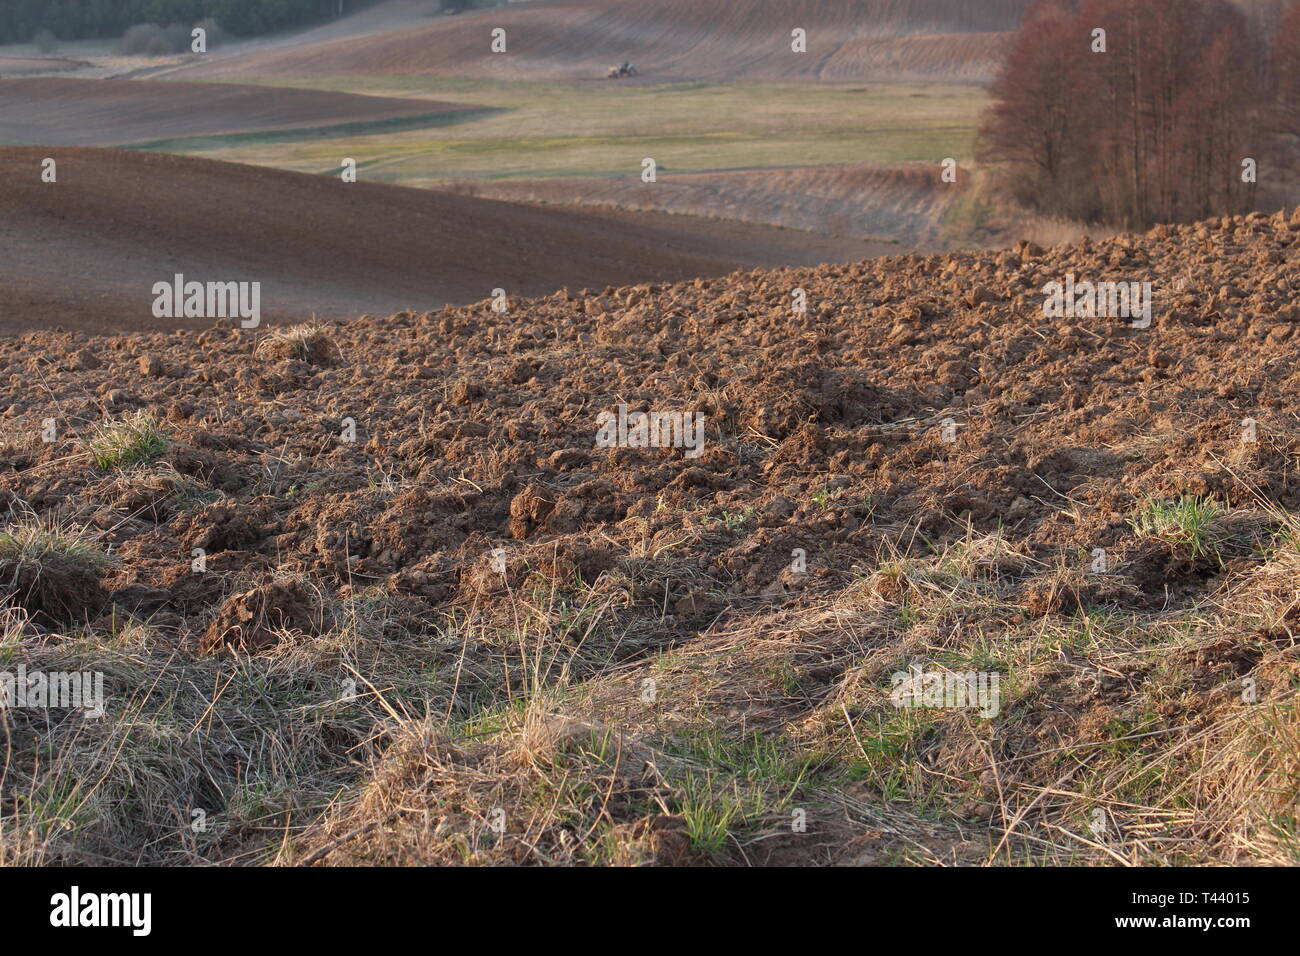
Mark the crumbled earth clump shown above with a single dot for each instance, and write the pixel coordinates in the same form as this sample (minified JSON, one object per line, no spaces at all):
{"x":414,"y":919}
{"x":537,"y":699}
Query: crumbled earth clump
{"x":56,"y":591}
{"x":256,"y":619}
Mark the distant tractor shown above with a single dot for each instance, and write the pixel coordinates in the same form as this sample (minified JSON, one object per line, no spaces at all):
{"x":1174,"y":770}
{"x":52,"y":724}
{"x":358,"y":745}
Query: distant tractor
{"x":618,"y":72}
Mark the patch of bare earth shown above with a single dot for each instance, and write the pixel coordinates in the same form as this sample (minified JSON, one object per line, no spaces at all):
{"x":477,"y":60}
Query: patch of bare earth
{"x":319,"y":246}
{"x":59,"y":111}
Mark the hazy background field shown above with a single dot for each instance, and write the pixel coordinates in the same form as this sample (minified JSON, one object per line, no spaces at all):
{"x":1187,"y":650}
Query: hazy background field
{"x":837,"y":151}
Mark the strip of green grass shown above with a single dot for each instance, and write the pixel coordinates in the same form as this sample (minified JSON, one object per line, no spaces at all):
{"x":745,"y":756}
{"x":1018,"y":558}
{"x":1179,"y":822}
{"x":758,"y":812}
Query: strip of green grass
{"x":546,"y":130}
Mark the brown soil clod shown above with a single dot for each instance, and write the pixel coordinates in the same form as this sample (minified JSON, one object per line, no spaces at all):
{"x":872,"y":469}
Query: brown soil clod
{"x":56,"y":590}
{"x":261,"y":617}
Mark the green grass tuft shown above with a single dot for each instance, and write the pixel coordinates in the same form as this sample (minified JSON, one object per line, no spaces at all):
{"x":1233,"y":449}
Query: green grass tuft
{"x":131,"y":441}
{"x":35,"y":541}
{"x":1186,"y":523}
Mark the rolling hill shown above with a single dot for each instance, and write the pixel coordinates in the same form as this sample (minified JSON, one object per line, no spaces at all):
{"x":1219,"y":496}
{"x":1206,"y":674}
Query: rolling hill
{"x":669,"y":40}
{"x":84,"y":252}
{"x":57,"y":111}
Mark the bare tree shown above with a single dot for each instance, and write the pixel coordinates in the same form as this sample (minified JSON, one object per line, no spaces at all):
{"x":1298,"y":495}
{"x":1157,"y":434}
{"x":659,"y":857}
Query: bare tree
{"x":1133,"y":111}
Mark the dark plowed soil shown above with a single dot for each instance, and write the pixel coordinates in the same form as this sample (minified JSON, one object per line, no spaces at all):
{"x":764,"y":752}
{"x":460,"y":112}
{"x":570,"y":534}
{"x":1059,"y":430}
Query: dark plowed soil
{"x":66,"y":112}
{"x":826,"y":430}
{"x":85,"y":252}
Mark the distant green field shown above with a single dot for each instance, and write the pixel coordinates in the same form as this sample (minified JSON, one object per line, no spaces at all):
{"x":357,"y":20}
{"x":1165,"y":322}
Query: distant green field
{"x":605,"y":128}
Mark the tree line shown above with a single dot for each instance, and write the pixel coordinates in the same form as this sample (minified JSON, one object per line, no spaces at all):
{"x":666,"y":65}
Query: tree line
{"x":22,"y":20}
{"x":1136,"y":112}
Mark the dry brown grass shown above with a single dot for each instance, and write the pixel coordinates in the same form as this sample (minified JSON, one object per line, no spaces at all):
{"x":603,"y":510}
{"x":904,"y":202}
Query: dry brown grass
{"x":310,"y":342}
{"x":548,"y":722}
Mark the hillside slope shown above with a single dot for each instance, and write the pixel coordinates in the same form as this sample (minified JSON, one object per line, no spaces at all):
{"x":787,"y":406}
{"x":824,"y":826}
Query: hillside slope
{"x":57,"y":111}
{"x":904,"y":203}
{"x":85,"y":252}
{"x":511,"y":642}
{"x":668,"y":40}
